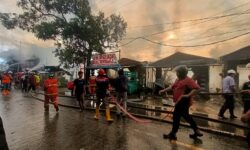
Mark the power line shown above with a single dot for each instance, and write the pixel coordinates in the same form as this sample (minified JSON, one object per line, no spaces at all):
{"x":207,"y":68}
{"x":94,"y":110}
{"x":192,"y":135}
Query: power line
{"x":199,"y":38}
{"x":212,"y":18}
{"x":221,"y":34}
{"x":242,"y":5}
{"x":197,"y":45}
{"x":183,"y":21}
{"x":130,"y":41}
{"x":237,"y":26}
{"x":217,"y":17}
{"x":216,"y":27}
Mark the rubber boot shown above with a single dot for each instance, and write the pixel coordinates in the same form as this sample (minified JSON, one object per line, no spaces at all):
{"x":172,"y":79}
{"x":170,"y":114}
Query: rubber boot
{"x":97,"y":114}
{"x":108,"y":118}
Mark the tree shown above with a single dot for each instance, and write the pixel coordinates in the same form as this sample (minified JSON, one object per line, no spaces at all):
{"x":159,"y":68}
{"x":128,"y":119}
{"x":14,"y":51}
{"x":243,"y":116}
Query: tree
{"x":76,"y":31}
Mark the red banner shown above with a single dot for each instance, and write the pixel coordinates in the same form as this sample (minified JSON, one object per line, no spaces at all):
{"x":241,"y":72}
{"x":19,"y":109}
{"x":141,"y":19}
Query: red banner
{"x":104,"y":60}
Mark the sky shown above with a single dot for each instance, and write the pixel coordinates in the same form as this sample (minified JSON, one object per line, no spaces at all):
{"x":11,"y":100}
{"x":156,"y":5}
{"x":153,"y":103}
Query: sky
{"x":142,"y":17}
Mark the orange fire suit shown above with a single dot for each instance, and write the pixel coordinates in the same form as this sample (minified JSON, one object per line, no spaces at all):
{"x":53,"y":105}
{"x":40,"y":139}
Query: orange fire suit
{"x":92,"y":85}
{"x":6,"y":79}
{"x":51,"y":93}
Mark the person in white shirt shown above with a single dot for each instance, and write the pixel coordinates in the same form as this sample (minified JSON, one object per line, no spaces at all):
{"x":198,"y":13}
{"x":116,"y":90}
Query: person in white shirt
{"x":228,"y":88}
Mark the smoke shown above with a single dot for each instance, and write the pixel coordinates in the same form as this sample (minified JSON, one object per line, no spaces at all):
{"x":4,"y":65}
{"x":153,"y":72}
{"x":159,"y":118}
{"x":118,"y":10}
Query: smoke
{"x":160,"y":11}
{"x":21,"y":45}
{"x":140,"y":13}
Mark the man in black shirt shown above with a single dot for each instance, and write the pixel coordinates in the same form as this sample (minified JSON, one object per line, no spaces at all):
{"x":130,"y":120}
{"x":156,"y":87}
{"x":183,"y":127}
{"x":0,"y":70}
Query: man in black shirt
{"x":121,"y":89}
{"x":246,"y":101}
{"x":246,"y":95}
{"x":79,"y":90}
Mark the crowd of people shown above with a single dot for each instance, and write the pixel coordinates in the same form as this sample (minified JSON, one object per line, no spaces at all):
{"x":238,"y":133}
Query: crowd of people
{"x":99,"y":89}
{"x":26,"y":81}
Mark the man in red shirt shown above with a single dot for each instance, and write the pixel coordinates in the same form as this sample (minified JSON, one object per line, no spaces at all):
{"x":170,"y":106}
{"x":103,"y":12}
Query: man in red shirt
{"x":183,"y":90}
{"x":51,"y":92}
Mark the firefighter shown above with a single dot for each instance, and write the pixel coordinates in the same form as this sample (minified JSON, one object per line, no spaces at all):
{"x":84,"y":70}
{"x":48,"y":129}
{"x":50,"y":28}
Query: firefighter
{"x":102,"y":91}
{"x":6,"y":79}
{"x":51,"y":92}
{"x":92,"y":85}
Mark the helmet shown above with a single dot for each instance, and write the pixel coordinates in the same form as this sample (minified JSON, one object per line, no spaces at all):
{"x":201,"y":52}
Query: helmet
{"x":231,"y":71}
{"x":10,"y":72}
{"x":51,"y":75}
{"x":101,"y":72}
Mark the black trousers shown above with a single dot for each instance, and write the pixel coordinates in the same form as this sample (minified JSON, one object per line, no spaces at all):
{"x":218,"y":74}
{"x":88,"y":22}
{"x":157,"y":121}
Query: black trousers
{"x":3,"y":142}
{"x":246,"y":105}
{"x":228,"y":104}
{"x":182,"y":110}
{"x":33,"y":87}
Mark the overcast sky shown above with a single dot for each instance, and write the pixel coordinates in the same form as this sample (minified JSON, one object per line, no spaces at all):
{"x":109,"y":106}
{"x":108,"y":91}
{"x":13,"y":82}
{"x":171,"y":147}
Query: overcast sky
{"x":141,"y":13}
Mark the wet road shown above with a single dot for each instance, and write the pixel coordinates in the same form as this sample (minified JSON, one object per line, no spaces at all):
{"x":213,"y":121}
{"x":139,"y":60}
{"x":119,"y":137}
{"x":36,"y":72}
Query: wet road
{"x":28,"y":127}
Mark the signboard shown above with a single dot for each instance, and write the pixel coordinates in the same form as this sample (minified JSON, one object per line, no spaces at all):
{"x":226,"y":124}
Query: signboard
{"x":104,"y":60}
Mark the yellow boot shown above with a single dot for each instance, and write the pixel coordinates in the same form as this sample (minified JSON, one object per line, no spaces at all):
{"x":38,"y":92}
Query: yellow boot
{"x":108,"y":118}
{"x":97,"y":114}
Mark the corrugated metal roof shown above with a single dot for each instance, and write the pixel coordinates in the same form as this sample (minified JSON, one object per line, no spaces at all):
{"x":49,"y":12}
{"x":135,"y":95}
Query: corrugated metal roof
{"x":179,"y":58}
{"x":129,"y":62}
{"x":241,"y":54}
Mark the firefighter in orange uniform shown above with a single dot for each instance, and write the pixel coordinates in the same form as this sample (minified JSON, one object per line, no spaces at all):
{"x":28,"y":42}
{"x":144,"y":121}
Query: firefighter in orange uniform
{"x":6,"y":79}
{"x":51,"y":92}
{"x":92,"y":85}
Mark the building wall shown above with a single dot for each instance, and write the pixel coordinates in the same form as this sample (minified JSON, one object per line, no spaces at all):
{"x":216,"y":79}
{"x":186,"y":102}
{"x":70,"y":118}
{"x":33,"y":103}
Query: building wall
{"x":214,"y":77}
{"x":243,"y":73}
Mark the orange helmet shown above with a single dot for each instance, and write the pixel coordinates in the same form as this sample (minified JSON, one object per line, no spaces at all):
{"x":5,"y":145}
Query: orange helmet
{"x":101,"y":72}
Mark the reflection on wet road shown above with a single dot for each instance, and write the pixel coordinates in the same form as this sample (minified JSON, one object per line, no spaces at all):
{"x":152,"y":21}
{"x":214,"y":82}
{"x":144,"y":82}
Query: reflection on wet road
{"x":28,"y":127}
